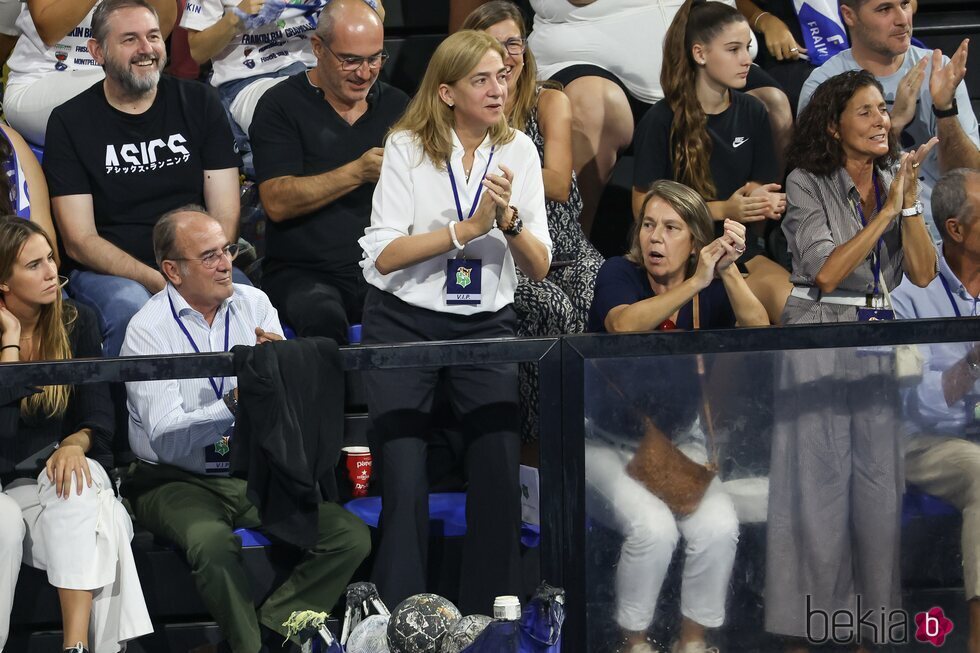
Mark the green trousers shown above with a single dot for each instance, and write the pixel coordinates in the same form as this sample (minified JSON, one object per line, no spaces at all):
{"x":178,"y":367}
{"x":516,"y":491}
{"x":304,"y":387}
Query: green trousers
{"x":198,"y":513}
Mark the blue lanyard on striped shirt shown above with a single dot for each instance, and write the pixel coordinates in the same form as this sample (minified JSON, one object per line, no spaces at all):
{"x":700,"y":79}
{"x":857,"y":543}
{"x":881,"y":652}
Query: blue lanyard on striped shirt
{"x":219,"y":390}
{"x":949,"y":293}
{"x":876,"y":257}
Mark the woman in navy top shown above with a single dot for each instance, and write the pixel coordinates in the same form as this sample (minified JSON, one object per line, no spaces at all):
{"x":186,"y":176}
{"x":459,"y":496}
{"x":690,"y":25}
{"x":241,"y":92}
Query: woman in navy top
{"x":673,"y":276}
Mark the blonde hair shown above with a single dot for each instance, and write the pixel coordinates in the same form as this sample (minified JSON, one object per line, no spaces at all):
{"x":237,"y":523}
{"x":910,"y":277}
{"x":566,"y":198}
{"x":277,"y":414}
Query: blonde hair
{"x":526,"y":90}
{"x":693,"y":211}
{"x":430,"y":119}
{"x":53,"y":325}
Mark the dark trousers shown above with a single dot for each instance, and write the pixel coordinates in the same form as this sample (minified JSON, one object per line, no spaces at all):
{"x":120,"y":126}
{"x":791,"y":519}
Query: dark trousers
{"x":484,"y":400}
{"x":315,"y":303}
{"x":199,"y":513}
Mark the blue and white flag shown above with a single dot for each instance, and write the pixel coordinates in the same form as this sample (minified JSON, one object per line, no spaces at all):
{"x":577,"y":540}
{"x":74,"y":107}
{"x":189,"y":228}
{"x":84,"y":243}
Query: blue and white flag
{"x":823,"y":29}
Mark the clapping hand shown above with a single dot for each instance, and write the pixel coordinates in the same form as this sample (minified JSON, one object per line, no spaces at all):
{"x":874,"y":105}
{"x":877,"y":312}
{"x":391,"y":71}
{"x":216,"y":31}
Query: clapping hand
{"x":896,"y":192}
{"x":944,"y":80}
{"x":732,"y":244}
{"x":906,"y":96}
{"x":910,"y":188}
{"x":707,"y":261}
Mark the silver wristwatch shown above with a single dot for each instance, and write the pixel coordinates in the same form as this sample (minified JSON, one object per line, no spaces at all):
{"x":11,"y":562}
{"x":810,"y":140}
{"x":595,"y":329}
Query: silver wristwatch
{"x":915,"y":209}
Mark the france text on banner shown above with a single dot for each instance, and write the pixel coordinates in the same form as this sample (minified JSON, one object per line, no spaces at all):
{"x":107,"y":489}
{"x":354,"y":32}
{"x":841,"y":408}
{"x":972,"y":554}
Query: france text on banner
{"x":823,"y":29}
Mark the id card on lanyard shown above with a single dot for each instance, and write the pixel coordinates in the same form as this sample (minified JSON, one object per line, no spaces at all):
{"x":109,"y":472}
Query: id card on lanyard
{"x":464,"y":276}
{"x":875,"y":311}
{"x":216,"y":459}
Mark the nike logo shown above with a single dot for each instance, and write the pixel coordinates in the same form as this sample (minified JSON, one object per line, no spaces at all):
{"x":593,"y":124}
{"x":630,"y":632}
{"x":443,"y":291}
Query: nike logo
{"x":740,"y":140}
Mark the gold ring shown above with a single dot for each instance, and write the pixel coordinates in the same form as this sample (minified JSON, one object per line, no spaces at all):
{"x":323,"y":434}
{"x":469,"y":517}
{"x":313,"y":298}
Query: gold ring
{"x":915,"y":165}
{"x":794,"y":49}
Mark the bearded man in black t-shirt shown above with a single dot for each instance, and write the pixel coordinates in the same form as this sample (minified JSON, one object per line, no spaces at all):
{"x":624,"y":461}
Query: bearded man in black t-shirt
{"x":316,"y":140}
{"x":126,"y":151}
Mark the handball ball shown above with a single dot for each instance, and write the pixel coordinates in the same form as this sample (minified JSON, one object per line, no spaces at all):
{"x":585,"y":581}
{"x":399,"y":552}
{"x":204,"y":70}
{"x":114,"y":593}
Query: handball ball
{"x":464,"y":632}
{"x":370,"y":636}
{"x":420,"y":623}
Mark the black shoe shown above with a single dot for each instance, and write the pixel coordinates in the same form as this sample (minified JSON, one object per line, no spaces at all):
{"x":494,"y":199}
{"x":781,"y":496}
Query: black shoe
{"x":77,"y":648}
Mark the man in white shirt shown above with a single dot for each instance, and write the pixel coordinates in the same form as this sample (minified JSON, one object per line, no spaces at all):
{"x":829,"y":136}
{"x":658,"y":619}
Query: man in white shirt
{"x":943,"y":457}
{"x":181,"y":430}
{"x":924,"y":90}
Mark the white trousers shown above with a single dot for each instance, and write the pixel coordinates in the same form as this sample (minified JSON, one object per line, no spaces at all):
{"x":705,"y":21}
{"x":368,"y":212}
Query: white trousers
{"x":84,"y":544}
{"x":652,"y":533}
{"x":27,"y":107}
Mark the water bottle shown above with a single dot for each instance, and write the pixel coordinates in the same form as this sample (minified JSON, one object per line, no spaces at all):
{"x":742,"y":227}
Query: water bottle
{"x":507,"y":608}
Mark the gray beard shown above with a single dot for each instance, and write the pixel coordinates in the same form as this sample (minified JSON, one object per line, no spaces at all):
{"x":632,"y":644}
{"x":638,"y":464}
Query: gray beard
{"x":132,"y":85}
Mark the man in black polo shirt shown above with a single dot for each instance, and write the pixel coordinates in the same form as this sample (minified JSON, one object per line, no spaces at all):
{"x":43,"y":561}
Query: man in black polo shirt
{"x":316,"y":140}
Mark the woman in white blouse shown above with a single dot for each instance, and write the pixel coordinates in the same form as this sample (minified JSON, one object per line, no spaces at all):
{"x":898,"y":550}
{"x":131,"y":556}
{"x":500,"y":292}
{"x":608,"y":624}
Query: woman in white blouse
{"x":459,"y":204}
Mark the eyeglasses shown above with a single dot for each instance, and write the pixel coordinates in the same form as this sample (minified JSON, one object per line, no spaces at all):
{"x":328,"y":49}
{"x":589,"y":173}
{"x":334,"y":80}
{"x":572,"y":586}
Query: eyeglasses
{"x":210,"y":260}
{"x":350,"y":64}
{"x":514,"y":46}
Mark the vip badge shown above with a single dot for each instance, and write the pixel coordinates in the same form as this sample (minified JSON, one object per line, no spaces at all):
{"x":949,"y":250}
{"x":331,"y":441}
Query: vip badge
{"x":221,"y":446}
{"x":463,"y":276}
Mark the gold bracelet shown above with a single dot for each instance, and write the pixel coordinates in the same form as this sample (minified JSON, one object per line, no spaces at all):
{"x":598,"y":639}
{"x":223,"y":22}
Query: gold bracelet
{"x":755,"y":23}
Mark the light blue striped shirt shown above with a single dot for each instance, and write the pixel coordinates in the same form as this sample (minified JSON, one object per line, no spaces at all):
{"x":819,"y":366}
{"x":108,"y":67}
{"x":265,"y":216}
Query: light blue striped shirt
{"x":926,"y":406}
{"x":172,"y":421}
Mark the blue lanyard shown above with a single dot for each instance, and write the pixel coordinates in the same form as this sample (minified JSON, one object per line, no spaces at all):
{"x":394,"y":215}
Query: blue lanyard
{"x":218,"y":389}
{"x":876,"y":259}
{"x":452,"y":180}
{"x":949,"y":293}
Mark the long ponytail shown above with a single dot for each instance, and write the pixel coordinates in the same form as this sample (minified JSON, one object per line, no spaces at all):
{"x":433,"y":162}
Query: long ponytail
{"x":697,"y":21}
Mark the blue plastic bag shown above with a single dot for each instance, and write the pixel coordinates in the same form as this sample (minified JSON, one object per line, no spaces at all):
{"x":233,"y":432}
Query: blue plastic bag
{"x":538,"y":631}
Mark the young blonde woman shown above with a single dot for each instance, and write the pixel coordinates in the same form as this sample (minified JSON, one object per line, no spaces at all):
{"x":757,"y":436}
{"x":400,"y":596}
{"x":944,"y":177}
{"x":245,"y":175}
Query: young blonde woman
{"x":458,"y":208}
{"x":60,"y":499}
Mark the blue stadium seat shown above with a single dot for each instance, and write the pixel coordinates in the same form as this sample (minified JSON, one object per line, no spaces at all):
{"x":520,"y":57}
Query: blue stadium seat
{"x":916,"y":503}
{"x":447,"y":516}
{"x":353,"y":333}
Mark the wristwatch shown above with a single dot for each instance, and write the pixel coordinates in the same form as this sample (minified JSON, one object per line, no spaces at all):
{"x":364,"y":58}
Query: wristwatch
{"x":915,"y":209}
{"x":231,"y":402}
{"x":516,"y":225}
{"x":945,"y":113}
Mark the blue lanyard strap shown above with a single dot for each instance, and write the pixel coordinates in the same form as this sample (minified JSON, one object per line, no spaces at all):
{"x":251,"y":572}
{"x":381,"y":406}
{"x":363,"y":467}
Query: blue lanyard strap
{"x":218,"y":389}
{"x":949,"y":293}
{"x":876,"y":258}
{"x":452,"y":181}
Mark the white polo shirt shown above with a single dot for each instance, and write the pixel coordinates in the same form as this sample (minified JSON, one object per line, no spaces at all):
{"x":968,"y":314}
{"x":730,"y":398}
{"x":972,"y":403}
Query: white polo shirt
{"x":413,"y":196}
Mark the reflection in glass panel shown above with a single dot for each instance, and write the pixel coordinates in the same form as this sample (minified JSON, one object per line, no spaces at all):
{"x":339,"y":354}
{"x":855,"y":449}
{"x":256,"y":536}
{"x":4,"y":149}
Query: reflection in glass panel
{"x":803,"y":512}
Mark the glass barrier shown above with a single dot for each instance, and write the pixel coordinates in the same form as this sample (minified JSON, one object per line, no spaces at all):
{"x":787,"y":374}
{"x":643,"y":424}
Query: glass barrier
{"x":814,"y":493}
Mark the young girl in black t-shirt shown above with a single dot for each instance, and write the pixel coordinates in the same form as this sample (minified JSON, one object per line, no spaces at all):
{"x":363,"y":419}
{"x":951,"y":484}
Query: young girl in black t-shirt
{"x":709,"y":136}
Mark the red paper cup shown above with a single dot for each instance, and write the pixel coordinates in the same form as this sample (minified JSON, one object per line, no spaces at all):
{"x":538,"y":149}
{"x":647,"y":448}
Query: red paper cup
{"x":358,"y":461}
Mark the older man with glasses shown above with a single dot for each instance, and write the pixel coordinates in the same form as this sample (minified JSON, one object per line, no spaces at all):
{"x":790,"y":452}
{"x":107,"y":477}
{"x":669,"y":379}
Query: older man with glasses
{"x":316,"y":140}
{"x":181,"y":431}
